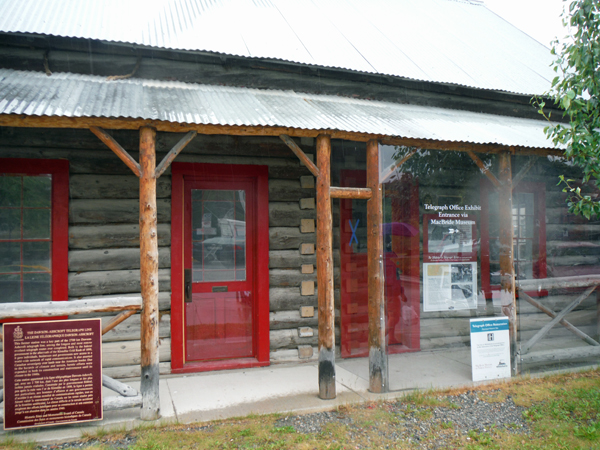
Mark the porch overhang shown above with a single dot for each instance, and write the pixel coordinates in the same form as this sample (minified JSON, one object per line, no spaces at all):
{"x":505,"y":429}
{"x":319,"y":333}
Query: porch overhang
{"x":65,"y":100}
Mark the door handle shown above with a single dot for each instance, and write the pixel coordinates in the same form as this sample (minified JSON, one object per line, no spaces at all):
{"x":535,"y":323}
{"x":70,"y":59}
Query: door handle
{"x":187,"y":285}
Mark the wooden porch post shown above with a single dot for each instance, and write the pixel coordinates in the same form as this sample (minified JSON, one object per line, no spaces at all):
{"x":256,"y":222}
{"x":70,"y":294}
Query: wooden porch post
{"x":149,"y":276}
{"x":325,"y":271}
{"x":507,"y":268}
{"x":378,"y":360}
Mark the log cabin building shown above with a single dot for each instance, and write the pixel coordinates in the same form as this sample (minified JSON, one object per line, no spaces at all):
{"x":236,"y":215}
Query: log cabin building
{"x":289,"y":181}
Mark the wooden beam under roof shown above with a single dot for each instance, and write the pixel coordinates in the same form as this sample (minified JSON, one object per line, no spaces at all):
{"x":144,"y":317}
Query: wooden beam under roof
{"x":23,"y":121}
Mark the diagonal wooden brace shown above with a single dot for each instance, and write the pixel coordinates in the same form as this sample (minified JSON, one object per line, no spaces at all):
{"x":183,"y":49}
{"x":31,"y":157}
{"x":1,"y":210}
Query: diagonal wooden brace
{"x":118,"y":387}
{"x":540,"y":334}
{"x":565,"y":323}
{"x":390,"y":170}
{"x":119,"y":151}
{"x":167,"y":160}
{"x":117,"y":320}
{"x":526,"y":168}
{"x":484,"y":169}
{"x":300,"y":154}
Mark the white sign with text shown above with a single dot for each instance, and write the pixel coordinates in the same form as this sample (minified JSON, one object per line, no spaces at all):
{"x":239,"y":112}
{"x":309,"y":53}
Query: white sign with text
{"x":490,"y":348}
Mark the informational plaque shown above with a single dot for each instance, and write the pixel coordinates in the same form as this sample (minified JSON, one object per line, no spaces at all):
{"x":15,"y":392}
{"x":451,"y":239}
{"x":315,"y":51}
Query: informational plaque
{"x":52,"y":372}
{"x":490,"y":348}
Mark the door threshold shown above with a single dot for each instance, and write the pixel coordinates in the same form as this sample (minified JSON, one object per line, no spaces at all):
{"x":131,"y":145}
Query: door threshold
{"x":229,"y":364}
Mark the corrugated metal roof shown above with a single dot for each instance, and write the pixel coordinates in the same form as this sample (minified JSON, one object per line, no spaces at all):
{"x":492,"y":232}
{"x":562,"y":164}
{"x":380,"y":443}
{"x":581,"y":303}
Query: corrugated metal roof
{"x":70,"y":95}
{"x":447,"y":41}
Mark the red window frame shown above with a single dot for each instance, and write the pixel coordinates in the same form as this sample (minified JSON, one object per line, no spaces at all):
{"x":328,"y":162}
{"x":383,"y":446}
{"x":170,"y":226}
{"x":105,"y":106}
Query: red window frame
{"x":539,"y":205}
{"x":59,"y":170}
{"x":219,"y":172}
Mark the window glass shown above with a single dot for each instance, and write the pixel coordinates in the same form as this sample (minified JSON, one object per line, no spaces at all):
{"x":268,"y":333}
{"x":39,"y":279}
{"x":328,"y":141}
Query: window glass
{"x":25,"y":238}
{"x":441,"y":255}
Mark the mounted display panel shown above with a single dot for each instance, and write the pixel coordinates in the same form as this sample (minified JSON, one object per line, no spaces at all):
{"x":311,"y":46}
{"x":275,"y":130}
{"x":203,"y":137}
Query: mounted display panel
{"x":52,"y":372}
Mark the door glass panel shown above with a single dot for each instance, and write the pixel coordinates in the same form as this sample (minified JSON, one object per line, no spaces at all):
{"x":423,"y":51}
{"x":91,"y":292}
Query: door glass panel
{"x":218,"y":235}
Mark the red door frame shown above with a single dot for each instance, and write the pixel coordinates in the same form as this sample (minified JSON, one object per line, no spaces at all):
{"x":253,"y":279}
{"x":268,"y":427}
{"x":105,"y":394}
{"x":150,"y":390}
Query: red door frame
{"x":259,"y":177}
{"x":539,"y":241}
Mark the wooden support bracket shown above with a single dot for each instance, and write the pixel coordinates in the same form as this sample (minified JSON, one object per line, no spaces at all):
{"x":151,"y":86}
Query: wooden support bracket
{"x":300,"y":154}
{"x":167,"y":160}
{"x":119,"y":151}
{"x":484,"y":169}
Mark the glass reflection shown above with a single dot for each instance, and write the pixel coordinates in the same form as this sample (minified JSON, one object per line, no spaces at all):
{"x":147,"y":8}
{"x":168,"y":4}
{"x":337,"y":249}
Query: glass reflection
{"x":25,"y":238}
{"x":218,"y":235}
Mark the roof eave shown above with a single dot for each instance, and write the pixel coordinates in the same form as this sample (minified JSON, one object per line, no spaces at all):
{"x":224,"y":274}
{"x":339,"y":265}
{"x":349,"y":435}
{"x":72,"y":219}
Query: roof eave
{"x":32,"y":121}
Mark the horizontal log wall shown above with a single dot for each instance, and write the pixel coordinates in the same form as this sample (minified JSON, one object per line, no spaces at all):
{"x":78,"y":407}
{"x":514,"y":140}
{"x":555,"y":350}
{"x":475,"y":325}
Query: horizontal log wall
{"x":104,"y":231}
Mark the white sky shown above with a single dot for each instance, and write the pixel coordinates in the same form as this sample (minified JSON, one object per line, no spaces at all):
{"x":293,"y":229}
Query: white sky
{"x":538,"y":18}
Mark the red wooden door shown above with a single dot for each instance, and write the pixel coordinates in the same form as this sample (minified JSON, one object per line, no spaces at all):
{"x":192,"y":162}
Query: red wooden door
{"x":219,"y":297}
{"x":401,"y":268}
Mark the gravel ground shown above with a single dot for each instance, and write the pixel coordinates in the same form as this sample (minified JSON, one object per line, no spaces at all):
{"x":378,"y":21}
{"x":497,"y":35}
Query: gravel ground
{"x":467,"y":413}
{"x":428,"y":427}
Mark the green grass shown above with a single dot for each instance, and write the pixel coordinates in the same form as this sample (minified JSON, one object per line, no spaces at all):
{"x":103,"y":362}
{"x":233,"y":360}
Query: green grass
{"x":562,"y":412}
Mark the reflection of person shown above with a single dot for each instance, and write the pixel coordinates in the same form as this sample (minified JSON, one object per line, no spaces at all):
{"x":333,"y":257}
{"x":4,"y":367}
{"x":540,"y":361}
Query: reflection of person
{"x":400,"y":321}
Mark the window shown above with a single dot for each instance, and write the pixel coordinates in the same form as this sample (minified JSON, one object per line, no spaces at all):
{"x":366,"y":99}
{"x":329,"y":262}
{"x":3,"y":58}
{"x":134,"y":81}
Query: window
{"x":34,"y":212}
{"x":529,"y":234}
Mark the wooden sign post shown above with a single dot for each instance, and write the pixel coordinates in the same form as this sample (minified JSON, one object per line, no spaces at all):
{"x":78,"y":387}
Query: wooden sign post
{"x":52,"y":372}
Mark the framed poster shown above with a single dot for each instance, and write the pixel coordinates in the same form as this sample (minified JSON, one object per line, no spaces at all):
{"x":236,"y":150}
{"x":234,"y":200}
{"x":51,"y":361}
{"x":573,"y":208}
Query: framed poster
{"x":449,"y":261}
{"x":449,"y":237}
{"x":449,"y":286}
